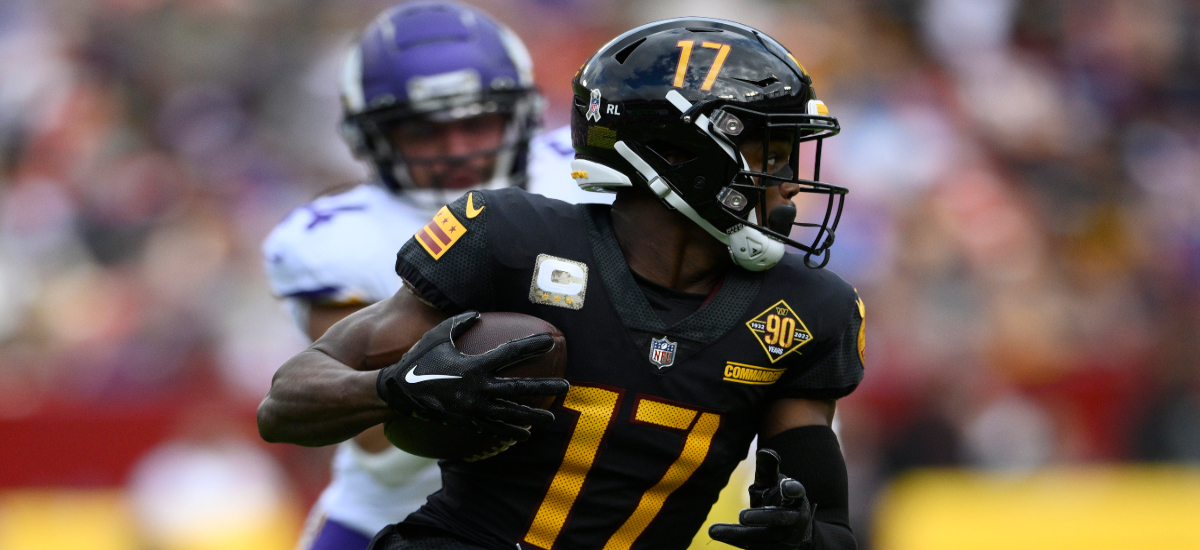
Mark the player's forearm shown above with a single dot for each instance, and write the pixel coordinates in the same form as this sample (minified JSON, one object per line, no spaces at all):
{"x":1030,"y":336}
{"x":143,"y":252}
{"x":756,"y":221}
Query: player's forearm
{"x":813,"y":457}
{"x":832,"y":536}
{"x":315,"y":400}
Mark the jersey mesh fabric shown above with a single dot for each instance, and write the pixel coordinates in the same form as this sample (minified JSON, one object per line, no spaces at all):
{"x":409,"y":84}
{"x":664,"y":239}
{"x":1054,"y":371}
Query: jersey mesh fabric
{"x":462,"y":278}
{"x":669,"y":304}
{"x":837,"y":373}
{"x":633,"y":307}
{"x":720,"y":315}
{"x":584,"y":452}
{"x":341,"y":247}
{"x":707,"y":324}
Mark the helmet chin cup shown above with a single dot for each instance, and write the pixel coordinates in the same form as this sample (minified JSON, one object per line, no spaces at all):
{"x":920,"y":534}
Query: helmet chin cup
{"x":754,"y":251}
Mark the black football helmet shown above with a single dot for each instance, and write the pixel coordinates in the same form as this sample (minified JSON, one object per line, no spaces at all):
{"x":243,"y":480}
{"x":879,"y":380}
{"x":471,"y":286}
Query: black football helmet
{"x":672,"y":105}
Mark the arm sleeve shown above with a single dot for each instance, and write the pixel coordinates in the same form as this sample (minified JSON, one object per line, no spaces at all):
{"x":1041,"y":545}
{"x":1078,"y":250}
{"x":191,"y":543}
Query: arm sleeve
{"x":812,"y":456}
{"x":447,"y":261}
{"x":837,"y":370}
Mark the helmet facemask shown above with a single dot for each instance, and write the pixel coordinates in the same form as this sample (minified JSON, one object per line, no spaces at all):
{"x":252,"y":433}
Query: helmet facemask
{"x":378,"y":129}
{"x":779,"y":137}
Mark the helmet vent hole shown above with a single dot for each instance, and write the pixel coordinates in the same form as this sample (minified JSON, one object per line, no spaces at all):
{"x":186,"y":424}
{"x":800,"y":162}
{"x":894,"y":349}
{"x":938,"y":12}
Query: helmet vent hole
{"x":760,"y":83}
{"x":624,"y":53}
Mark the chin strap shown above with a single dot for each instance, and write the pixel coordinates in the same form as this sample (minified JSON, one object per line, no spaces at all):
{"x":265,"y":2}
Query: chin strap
{"x":749,"y":247}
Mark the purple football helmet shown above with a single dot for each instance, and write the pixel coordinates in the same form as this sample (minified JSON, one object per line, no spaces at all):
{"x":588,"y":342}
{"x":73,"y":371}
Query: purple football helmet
{"x":442,"y":62}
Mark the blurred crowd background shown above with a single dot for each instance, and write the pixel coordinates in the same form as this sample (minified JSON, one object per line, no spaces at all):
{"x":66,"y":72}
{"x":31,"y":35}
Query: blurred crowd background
{"x":1023,"y":226}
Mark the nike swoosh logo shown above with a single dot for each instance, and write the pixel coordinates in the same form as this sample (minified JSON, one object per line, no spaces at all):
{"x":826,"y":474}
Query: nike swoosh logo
{"x":471,"y":211}
{"x":414,"y":378}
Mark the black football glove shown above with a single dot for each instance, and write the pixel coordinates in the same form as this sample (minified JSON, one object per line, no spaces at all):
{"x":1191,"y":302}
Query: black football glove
{"x":779,"y":517}
{"x":437,"y":382}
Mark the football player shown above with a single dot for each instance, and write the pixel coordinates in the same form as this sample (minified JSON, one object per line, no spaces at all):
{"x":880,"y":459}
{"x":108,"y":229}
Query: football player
{"x":439,"y":99}
{"x":690,"y":327}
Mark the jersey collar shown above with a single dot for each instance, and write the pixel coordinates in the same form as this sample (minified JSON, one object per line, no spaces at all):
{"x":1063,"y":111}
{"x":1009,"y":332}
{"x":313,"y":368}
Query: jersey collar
{"x":716,"y":317}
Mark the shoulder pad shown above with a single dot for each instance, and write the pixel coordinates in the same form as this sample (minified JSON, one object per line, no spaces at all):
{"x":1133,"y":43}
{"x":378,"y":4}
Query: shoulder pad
{"x":338,"y":248}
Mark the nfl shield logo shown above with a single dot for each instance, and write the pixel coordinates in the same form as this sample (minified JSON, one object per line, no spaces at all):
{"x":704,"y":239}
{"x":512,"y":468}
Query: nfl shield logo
{"x":662,"y":352}
{"x":593,"y":113}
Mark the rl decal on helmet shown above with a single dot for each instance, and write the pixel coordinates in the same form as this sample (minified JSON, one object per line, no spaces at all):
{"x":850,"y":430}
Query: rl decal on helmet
{"x":779,"y":331}
{"x":713,"y":114}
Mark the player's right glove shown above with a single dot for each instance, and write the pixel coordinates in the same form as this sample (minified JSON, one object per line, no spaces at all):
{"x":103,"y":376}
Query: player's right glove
{"x":779,"y":517}
{"x":437,"y":382}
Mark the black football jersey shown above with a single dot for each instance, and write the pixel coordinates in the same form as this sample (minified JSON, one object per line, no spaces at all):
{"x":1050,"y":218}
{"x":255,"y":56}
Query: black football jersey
{"x":657,"y":417}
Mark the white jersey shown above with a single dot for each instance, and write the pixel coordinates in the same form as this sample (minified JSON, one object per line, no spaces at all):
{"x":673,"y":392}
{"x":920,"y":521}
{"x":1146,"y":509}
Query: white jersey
{"x":550,"y":156}
{"x":341,"y":249}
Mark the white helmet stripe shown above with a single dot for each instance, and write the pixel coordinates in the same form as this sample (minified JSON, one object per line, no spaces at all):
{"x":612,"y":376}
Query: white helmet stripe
{"x":351,"y":82}
{"x":663,"y":191}
{"x":683,"y":105}
{"x":519,"y":55}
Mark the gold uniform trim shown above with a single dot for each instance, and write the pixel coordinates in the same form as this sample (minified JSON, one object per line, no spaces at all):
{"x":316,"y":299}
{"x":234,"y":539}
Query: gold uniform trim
{"x":440,"y":234}
{"x":695,"y":449}
{"x":779,"y":331}
{"x":471,"y":210}
{"x":862,"y":331}
{"x":595,"y":407}
{"x":750,"y":374}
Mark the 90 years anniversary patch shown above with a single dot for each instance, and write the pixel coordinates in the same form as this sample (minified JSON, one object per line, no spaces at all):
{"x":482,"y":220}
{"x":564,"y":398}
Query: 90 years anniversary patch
{"x":779,"y":330}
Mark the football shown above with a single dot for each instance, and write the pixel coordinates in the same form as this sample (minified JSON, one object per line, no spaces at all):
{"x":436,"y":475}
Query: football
{"x":435,"y":440}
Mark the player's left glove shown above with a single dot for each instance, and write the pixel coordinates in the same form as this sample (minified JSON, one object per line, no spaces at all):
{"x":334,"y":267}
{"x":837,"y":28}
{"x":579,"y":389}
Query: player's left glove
{"x":779,"y":517}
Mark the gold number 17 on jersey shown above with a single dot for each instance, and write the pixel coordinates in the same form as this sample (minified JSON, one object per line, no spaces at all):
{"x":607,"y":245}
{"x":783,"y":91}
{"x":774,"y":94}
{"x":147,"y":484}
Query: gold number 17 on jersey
{"x":686,"y":55}
{"x":596,"y":407}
